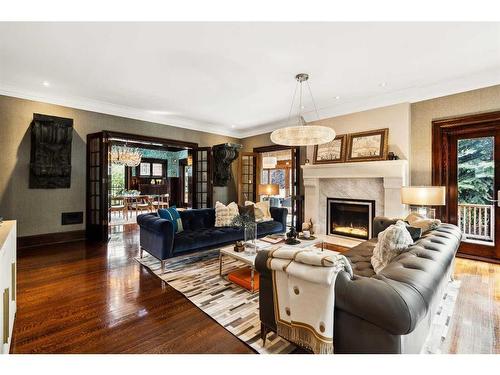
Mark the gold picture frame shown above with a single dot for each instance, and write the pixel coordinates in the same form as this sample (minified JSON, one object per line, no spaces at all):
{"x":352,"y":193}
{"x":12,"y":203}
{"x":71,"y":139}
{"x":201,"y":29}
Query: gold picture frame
{"x":331,"y":152}
{"x":368,"y":145}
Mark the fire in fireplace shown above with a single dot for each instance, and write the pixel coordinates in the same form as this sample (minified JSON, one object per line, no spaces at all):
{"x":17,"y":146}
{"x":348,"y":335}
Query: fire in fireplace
{"x":350,"y":217}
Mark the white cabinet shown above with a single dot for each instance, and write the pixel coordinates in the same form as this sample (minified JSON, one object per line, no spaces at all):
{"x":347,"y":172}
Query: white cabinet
{"x":8,"y":287}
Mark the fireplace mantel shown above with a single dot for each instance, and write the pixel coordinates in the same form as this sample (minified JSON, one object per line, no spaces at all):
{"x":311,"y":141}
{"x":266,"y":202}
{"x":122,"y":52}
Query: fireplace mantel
{"x":368,"y":169}
{"x":394,"y":174}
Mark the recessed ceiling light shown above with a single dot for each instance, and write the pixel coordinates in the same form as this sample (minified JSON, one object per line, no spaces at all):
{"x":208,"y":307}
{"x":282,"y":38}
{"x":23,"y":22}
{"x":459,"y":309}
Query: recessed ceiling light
{"x":337,"y":97}
{"x":161,"y":113}
{"x":46,"y":83}
{"x":382,"y":84}
{"x":233,"y":126}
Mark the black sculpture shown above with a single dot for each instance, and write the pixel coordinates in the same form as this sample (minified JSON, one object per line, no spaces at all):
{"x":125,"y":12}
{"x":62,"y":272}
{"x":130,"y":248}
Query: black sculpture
{"x":50,"y":164}
{"x":224,"y":155}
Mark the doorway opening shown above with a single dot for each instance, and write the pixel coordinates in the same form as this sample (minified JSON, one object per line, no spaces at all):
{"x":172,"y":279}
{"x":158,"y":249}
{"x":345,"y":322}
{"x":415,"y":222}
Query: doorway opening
{"x":128,"y":175}
{"x":466,"y":160}
{"x":278,"y":166}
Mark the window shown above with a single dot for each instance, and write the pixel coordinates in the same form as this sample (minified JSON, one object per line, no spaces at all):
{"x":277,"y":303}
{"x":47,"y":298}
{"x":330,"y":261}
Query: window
{"x":145,"y":169}
{"x":157,"y":169}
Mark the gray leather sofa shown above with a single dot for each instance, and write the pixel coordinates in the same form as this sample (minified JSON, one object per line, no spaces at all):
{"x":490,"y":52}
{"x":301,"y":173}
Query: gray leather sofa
{"x":389,"y":312}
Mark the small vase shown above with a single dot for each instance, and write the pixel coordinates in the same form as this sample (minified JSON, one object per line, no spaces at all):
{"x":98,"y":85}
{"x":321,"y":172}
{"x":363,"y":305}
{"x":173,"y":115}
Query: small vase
{"x":250,"y":232}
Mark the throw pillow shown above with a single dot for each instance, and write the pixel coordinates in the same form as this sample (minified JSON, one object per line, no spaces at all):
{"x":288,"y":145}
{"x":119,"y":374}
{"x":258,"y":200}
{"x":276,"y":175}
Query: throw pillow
{"x":391,"y":242}
{"x":426,"y":224}
{"x":248,"y":211}
{"x":172,"y":215}
{"x":419,"y":221}
{"x":415,"y":232}
{"x":262,"y":210}
{"x":224,"y":215}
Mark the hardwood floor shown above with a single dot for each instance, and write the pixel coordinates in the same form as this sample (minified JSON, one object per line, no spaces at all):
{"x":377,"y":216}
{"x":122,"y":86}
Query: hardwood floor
{"x":88,"y":298}
{"x":94,"y":298}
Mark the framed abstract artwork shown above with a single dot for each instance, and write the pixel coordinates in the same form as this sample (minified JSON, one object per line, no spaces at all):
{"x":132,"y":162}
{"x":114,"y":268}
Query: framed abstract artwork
{"x":331,"y":152}
{"x":367,"y":146}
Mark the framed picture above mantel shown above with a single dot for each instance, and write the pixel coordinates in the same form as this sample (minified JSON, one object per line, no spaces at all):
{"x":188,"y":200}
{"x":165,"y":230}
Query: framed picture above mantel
{"x":331,"y":152}
{"x":363,"y":146}
{"x":367,"y":146}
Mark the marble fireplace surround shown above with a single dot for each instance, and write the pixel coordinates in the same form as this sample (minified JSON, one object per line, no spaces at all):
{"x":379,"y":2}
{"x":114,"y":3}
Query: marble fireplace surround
{"x":376,"y":180}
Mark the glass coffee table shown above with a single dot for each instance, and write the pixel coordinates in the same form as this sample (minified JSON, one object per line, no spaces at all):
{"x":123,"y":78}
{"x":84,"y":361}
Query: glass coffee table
{"x":247,"y":259}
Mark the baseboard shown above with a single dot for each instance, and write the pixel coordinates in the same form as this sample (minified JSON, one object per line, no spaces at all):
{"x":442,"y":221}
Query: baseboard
{"x":479,"y":258}
{"x":50,"y":239}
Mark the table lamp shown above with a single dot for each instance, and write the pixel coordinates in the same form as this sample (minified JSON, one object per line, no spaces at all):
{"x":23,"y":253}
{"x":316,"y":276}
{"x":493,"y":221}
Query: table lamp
{"x":419,"y":198}
{"x":268,"y":189}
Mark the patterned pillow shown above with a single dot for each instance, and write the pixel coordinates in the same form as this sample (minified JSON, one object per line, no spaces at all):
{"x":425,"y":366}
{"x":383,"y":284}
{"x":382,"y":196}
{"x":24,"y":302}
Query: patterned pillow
{"x":224,"y":215}
{"x":391,"y":242}
{"x":172,"y":215}
{"x":262,"y":210}
{"x":418,"y":221}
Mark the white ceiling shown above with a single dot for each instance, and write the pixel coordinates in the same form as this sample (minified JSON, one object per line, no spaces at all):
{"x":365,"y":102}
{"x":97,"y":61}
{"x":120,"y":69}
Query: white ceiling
{"x":238,"y":78}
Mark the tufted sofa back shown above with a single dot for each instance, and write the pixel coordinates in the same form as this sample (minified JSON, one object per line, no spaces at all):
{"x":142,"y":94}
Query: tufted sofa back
{"x":399,"y":296}
{"x":198,"y":218}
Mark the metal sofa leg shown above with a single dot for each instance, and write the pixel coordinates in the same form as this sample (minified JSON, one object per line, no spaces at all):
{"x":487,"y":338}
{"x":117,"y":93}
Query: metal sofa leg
{"x":263,"y":334}
{"x":162,"y":266}
{"x":140,"y":252}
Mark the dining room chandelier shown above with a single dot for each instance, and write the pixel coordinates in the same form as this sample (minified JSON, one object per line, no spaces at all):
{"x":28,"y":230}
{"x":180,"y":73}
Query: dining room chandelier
{"x":302,"y":134}
{"x":124,"y":155}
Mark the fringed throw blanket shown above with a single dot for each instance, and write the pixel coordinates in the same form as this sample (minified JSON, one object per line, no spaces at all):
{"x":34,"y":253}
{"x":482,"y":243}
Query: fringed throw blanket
{"x":303,"y":288}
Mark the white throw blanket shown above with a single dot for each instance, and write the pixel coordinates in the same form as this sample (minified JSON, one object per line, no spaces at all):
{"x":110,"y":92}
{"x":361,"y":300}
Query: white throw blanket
{"x":304,"y":294}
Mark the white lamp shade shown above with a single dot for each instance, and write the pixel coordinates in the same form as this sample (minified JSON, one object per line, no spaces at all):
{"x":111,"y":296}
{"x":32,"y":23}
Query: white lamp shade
{"x":269,"y":189}
{"x":269,"y":162}
{"x":303,"y":135}
{"x":423,"y":195}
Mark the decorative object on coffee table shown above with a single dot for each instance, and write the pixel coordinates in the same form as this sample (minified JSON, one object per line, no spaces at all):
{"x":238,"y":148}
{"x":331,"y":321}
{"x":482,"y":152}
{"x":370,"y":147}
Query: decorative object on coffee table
{"x":422,"y":198}
{"x":331,"y":152}
{"x":246,"y":221}
{"x":239,"y":246}
{"x":367,"y":146}
{"x":50,"y":162}
{"x":291,"y":236}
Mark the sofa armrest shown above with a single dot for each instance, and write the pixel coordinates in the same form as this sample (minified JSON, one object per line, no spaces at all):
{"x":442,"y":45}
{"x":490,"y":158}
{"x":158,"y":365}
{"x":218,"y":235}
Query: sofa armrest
{"x":279,"y":214}
{"x":156,"y":235}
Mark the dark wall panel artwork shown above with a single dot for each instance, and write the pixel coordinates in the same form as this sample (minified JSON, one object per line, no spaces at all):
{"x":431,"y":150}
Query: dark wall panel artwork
{"x":50,"y":163}
{"x":224,"y":155}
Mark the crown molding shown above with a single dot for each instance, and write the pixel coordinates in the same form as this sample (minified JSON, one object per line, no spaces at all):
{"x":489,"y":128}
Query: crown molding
{"x":92,"y":105}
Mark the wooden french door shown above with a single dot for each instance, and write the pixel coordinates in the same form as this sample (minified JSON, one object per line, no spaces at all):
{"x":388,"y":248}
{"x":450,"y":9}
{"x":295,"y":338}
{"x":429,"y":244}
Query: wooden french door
{"x":247,"y":177}
{"x":467,"y":161}
{"x":203,"y":177}
{"x":97,"y":205}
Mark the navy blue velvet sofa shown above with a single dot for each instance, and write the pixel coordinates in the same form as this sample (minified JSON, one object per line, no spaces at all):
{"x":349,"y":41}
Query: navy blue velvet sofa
{"x":157,"y":235}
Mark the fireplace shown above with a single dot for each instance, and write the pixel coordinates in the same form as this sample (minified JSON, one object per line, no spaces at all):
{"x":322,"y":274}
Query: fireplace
{"x":350,"y":217}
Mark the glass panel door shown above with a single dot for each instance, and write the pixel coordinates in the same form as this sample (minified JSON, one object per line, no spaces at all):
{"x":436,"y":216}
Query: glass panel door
{"x":98,"y":170}
{"x":203,"y":178}
{"x":247,"y":176}
{"x":476,"y":189}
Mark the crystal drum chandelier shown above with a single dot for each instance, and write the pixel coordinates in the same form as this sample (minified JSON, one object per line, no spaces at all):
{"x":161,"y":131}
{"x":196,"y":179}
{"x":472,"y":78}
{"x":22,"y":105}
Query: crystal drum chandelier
{"x":124,"y":155}
{"x":302,"y":134}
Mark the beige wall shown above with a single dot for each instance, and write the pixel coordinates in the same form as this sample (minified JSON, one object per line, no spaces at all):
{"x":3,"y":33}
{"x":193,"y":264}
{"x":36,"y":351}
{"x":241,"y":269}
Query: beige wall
{"x":422,"y":114}
{"x":395,"y":117}
{"x":39,"y":211}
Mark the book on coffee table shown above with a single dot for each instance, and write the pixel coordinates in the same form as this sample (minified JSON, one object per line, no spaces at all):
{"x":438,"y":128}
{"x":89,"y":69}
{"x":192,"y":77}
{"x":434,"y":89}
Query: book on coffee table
{"x":273,"y":239}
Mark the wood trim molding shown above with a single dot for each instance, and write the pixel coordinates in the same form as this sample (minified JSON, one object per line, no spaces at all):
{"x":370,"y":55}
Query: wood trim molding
{"x":50,"y":239}
{"x":441,"y":129}
{"x":145,"y":138}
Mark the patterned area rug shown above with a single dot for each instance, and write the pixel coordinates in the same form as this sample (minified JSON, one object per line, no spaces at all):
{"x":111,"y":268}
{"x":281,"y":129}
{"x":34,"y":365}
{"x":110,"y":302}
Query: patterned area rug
{"x":196,"y":276}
